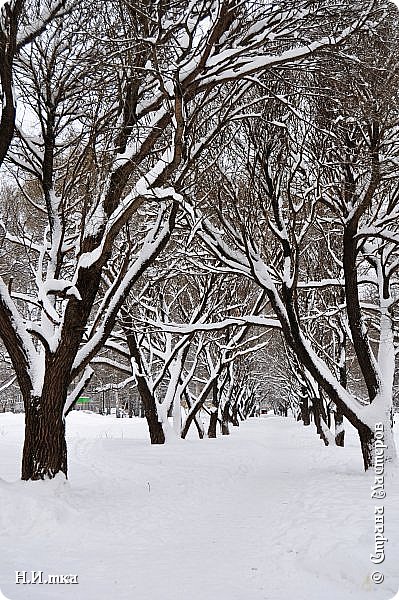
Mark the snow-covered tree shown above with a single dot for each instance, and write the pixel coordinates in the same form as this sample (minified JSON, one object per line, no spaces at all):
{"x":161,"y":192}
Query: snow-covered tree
{"x":107,"y":130}
{"x":338,"y":168}
{"x":20,"y":23}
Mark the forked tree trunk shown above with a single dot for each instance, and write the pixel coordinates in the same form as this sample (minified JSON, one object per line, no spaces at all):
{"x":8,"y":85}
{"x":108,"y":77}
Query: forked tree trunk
{"x":197,"y":419}
{"x":45,"y":450}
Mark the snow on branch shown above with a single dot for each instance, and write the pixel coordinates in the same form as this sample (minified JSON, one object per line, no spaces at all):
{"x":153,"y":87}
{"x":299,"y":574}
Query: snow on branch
{"x":235,"y":64}
{"x":244,"y":320}
{"x":8,"y":383}
{"x":78,"y":389}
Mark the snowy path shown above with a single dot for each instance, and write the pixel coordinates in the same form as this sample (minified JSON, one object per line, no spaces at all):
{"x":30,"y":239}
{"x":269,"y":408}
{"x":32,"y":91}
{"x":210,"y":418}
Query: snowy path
{"x":267,"y":513}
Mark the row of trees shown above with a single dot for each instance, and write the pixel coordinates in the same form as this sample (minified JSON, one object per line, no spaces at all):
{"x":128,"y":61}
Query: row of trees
{"x":181,"y":179}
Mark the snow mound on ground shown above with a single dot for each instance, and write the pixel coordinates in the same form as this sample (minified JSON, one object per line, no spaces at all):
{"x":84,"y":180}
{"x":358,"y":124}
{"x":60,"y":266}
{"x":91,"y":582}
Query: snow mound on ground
{"x":30,"y":508}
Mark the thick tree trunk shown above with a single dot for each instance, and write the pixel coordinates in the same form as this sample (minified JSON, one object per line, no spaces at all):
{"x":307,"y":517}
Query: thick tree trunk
{"x":225,"y":419}
{"x":155,"y":428}
{"x":225,"y":428}
{"x":45,"y":450}
{"x":213,"y":423}
{"x":366,"y":436}
{"x":157,"y":435}
{"x":305,"y":406}
{"x":234,"y":416}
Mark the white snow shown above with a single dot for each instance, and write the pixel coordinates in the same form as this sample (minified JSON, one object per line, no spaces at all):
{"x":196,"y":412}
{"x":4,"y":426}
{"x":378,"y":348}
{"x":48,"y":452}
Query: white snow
{"x":266,"y":513}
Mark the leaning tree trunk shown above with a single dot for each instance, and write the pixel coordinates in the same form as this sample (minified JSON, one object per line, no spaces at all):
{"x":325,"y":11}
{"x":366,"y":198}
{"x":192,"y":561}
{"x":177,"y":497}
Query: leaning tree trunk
{"x":197,"y":419}
{"x":318,"y":416}
{"x":45,"y":450}
{"x":250,"y":413}
{"x":200,"y":430}
{"x":339,"y":417}
{"x":328,"y":415}
{"x":157,"y":435}
{"x":155,"y":428}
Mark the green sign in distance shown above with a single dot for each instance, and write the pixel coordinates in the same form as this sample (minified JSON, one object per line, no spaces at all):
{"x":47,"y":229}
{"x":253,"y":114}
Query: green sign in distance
{"x":83,"y":400}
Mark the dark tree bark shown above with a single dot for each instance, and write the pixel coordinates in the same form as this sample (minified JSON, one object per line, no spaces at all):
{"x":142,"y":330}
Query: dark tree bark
{"x":8,"y":48}
{"x":366,"y":436}
{"x":193,"y":413}
{"x":339,"y":417}
{"x":328,"y":416}
{"x":305,"y":406}
{"x":213,"y":423}
{"x":226,"y":419}
{"x":198,"y":424}
{"x":45,"y":450}
{"x":155,"y":429}
{"x":200,"y":431}
{"x":234,"y":416}
{"x":318,"y":416}
{"x":214,"y":411}
{"x":251,"y":412}
{"x":339,"y":429}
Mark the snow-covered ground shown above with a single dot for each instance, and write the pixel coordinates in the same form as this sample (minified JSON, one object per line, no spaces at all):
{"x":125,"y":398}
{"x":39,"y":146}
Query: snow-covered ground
{"x":266,"y":513}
